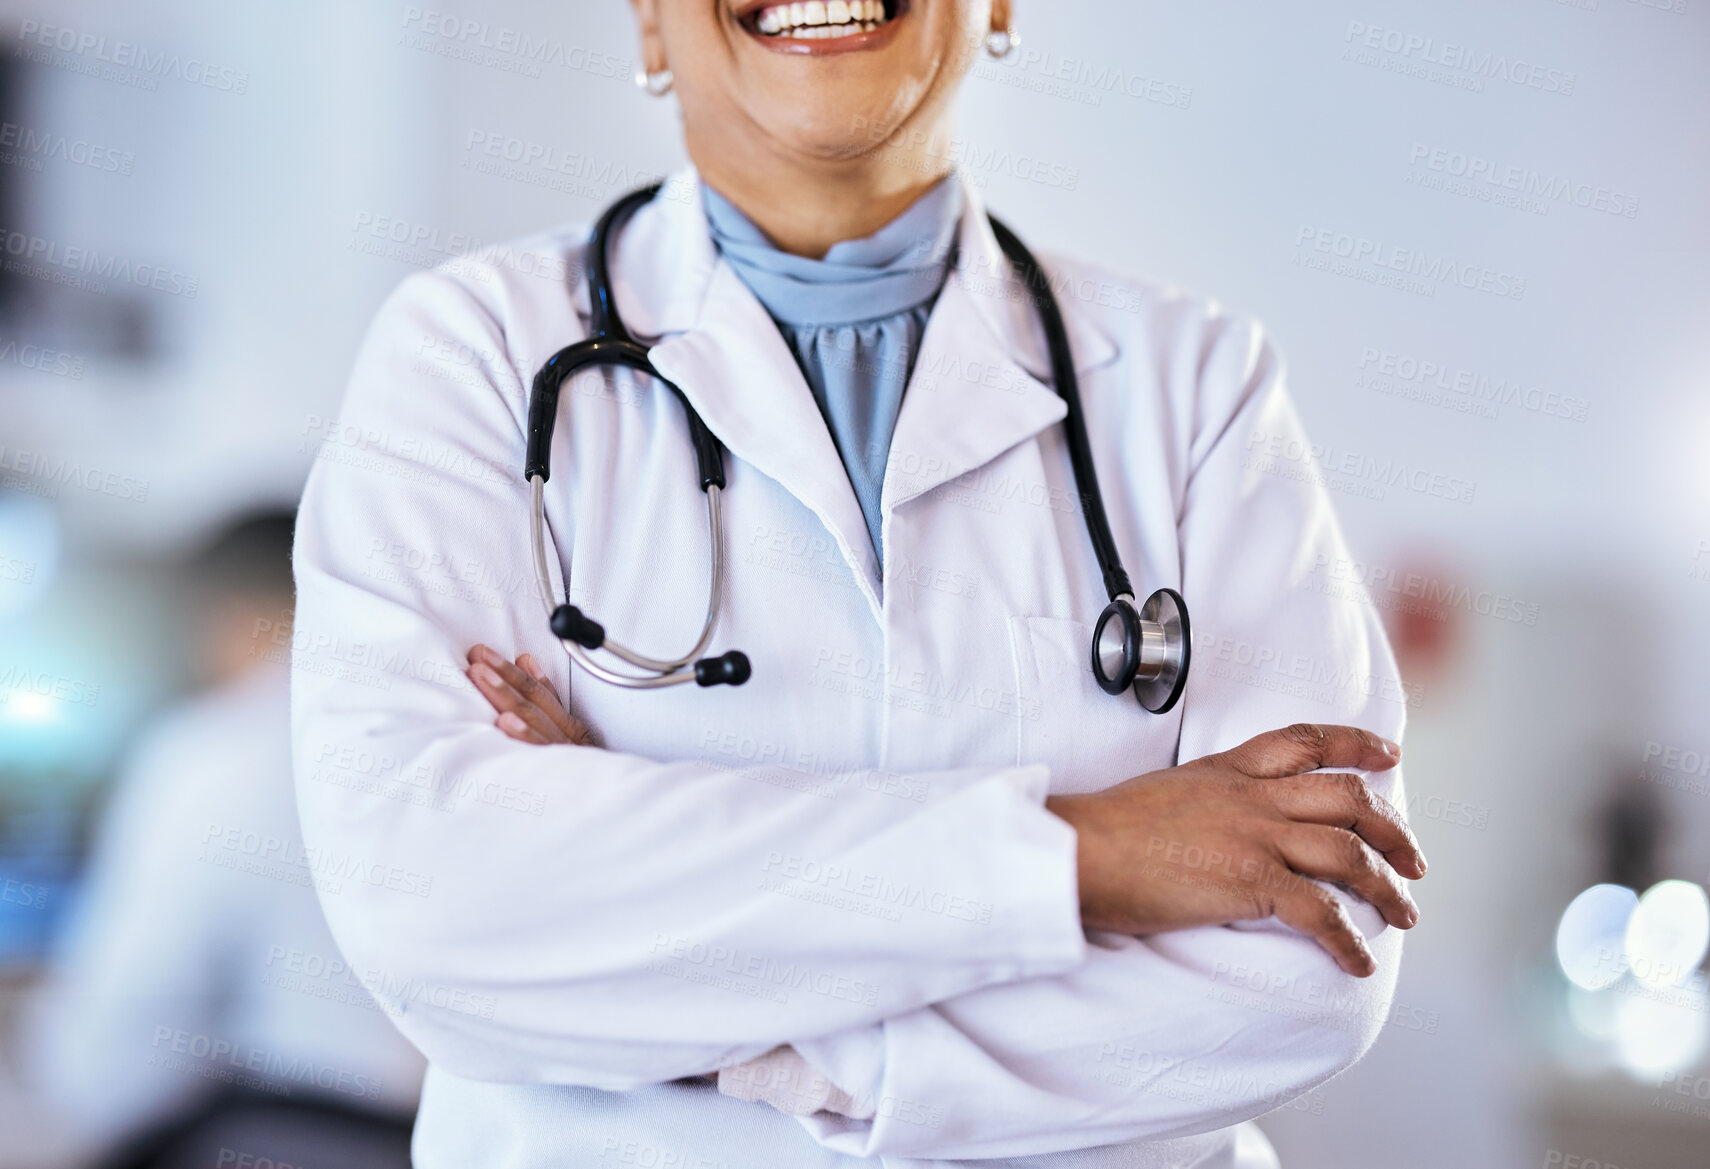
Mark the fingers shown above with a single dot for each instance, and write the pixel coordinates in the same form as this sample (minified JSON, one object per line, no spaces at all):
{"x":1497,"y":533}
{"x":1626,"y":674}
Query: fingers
{"x":571,"y":726}
{"x":1340,"y":800}
{"x":518,"y":717}
{"x":524,"y":690}
{"x":532,"y":667}
{"x":1305,"y":746}
{"x":1316,"y":913}
{"x":516,"y":728}
{"x":1333,"y":854}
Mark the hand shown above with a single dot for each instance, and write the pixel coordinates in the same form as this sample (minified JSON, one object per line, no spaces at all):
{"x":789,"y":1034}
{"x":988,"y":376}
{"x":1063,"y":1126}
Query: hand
{"x":1236,"y":836}
{"x":530,"y":710}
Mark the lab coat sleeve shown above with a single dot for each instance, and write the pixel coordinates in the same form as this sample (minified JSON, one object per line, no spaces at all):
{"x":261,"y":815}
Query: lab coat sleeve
{"x":1187,"y":1032}
{"x":619,"y":937}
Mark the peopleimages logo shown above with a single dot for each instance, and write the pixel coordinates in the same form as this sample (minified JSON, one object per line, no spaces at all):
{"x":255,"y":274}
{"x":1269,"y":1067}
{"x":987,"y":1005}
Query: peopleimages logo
{"x":1266,"y":450}
{"x":1373,"y":260}
{"x":29,"y":145}
{"x":1448,"y":62}
{"x":511,"y":50}
{"x":1525,"y":183}
{"x":150,"y":65}
{"x":89,"y":267}
{"x":1382,"y":368}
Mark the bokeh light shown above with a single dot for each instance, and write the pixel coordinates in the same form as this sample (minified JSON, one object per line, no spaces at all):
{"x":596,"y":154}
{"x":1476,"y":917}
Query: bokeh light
{"x":1668,"y":933}
{"x":1658,"y":1032}
{"x":1591,"y":939}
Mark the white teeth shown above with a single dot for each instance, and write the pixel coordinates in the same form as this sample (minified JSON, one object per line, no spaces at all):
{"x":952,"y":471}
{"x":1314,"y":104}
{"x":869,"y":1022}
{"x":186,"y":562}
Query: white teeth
{"x":820,"y":32}
{"x":811,"y":19}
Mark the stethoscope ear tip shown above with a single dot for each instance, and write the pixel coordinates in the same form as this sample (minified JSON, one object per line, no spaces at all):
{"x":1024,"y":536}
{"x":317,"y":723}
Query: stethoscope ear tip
{"x":569,"y":623}
{"x":729,"y":669}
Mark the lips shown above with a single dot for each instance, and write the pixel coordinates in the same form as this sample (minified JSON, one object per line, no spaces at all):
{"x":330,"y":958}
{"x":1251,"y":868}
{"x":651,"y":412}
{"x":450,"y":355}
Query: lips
{"x":820,"y":26}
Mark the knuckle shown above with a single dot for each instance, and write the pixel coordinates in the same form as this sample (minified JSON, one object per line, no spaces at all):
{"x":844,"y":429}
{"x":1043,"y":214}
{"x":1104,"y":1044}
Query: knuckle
{"x":1242,"y":787}
{"x":1392,"y":814}
{"x":1304,"y":734}
{"x":1355,"y":854}
{"x":1330,"y":915}
{"x":1355,"y":791}
{"x":1237,"y":761}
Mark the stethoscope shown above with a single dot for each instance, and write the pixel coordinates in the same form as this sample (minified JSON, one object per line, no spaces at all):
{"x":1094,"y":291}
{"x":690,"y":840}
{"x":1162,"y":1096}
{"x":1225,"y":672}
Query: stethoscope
{"x":1145,"y":648}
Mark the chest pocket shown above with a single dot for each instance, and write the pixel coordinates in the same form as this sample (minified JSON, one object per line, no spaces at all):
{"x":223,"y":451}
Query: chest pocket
{"x":1090,"y":739}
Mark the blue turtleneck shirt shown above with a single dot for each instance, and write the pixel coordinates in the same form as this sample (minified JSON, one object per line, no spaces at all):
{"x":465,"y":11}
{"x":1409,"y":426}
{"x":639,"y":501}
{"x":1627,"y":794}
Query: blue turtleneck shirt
{"x":854,"y":319}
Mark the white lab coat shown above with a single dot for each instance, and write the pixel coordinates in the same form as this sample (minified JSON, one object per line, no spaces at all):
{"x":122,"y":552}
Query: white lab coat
{"x":848,"y":854}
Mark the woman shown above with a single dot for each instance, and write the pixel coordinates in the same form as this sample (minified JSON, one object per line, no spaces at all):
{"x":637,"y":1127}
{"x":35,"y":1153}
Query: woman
{"x":920,"y":882}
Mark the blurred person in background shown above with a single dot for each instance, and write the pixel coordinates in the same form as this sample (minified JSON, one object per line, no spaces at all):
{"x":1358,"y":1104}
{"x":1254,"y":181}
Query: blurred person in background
{"x":195,"y":1008}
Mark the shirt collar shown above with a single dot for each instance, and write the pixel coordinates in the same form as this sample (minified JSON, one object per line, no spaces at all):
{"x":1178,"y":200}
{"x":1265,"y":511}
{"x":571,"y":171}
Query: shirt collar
{"x":896,"y":269}
{"x":667,"y":250}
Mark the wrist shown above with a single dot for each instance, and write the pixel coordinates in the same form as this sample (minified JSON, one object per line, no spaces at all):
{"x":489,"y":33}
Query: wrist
{"x":1072,"y":811}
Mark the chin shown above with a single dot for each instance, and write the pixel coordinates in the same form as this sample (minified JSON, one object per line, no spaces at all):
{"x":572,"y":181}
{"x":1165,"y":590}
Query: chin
{"x":844,"y":121}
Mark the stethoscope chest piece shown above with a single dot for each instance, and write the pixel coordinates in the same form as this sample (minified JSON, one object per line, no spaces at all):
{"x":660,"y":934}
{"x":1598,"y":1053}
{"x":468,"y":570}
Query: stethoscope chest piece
{"x":1145,"y":649}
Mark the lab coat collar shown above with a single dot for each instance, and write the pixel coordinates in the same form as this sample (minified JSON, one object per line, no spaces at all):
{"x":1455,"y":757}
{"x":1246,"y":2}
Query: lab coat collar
{"x":739,"y":374}
{"x":975,"y":393}
{"x":724,"y":352}
{"x":666,"y":258}
{"x":1005,"y":306}
{"x":980,"y":382}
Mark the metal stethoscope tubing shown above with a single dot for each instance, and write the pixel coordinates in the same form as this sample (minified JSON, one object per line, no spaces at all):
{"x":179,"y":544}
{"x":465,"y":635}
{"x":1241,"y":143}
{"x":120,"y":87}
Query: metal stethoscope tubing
{"x":609,"y":344}
{"x":576,"y":631}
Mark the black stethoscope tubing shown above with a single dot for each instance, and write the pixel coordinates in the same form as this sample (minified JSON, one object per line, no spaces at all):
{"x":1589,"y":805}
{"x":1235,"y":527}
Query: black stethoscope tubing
{"x":1143,"y":648}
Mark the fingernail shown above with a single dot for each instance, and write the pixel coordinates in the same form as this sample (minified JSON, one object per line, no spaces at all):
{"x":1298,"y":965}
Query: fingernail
{"x":510,"y":722}
{"x":1393,"y":750}
{"x":488,"y":675}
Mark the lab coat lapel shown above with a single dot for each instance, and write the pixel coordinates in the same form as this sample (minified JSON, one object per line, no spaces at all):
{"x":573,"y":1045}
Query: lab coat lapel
{"x":735,"y":368}
{"x":977,"y":387}
{"x":976,"y":390}
{"x":717,"y":344}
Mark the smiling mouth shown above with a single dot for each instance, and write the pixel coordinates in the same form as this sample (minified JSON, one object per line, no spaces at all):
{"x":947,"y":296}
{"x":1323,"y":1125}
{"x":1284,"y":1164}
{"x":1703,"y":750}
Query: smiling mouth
{"x":822,"y":19}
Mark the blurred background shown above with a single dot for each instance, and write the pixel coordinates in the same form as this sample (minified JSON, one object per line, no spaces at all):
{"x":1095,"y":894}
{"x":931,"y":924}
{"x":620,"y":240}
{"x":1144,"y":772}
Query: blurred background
{"x":202,"y":205}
